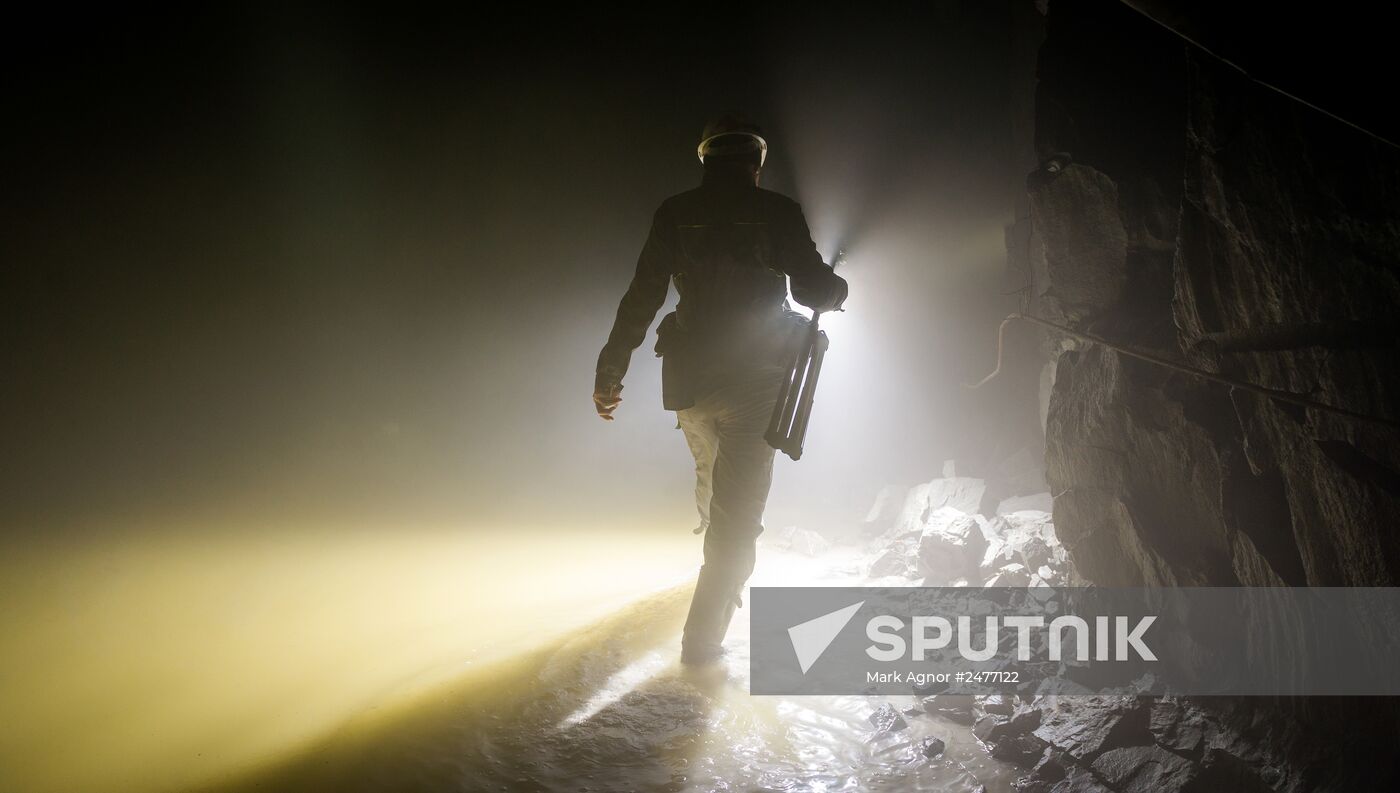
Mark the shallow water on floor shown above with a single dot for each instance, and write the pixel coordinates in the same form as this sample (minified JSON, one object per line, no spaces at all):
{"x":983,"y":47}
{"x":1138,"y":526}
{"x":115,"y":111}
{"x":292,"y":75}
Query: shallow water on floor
{"x":611,"y":709}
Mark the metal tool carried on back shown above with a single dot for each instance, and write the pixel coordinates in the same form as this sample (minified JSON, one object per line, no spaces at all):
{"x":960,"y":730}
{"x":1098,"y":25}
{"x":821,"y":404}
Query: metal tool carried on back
{"x":787,"y":430}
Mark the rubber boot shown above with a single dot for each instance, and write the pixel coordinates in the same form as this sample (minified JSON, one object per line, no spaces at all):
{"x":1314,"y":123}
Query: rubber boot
{"x":711,"y":609}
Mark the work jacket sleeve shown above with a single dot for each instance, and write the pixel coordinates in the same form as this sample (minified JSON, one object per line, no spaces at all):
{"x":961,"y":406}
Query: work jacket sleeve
{"x":814,"y":283}
{"x":639,"y":306}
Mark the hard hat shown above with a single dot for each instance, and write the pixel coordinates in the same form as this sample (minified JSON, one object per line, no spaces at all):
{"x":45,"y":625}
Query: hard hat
{"x":732,"y":134}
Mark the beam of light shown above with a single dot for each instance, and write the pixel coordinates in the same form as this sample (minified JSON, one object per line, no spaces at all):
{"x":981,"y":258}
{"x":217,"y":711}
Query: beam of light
{"x":777,"y":568}
{"x":167,"y":660}
{"x":610,"y":706}
{"x":627,"y":679}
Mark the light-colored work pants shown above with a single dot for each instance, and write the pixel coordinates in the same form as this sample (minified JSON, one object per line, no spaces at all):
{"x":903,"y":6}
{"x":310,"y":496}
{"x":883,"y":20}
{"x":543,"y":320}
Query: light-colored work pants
{"x":733,"y":473}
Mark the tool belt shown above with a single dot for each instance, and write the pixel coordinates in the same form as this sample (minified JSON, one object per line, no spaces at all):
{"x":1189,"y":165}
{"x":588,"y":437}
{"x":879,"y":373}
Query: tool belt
{"x":677,"y":391}
{"x":693,"y":360}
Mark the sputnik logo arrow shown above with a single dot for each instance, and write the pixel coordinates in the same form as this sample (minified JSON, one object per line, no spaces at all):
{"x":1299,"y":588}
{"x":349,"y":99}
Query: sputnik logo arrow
{"x":811,"y":638}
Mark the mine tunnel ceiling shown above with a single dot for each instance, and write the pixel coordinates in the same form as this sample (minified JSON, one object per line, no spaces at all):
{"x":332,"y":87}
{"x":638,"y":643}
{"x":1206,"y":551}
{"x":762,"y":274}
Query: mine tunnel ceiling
{"x":1331,"y":58}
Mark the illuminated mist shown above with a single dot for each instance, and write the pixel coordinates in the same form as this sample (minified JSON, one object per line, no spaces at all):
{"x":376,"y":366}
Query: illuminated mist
{"x":174,"y":659}
{"x":306,"y":313}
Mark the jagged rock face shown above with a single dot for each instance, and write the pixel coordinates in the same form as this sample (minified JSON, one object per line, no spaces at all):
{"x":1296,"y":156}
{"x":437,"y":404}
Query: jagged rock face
{"x":1138,"y":481}
{"x":1188,"y":211}
{"x":1129,"y":744}
{"x":1257,"y":218}
{"x":952,"y":545}
{"x":1081,"y":269}
{"x":1144,"y":769}
{"x":1290,"y":223}
{"x":1025,"y":540}
{"x":1082,"y":743}
{"x":933,"y":539}
{"x":963,"y":494}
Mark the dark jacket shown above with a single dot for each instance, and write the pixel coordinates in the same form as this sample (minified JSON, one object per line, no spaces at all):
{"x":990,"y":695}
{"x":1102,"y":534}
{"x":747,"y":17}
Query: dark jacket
{"x":731,"y":249}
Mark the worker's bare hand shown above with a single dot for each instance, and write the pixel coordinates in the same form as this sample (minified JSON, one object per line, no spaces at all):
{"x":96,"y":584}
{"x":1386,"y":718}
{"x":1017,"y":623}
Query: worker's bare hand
{"x":606,"y":398}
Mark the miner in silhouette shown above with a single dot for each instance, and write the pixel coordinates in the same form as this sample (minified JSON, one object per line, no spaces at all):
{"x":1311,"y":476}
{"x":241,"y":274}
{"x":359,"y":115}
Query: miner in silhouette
{"x":732,"y":249}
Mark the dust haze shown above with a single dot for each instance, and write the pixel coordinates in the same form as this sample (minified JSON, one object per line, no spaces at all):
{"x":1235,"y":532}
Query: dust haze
{"x":346,"y":264}
{"x":317,"y":299}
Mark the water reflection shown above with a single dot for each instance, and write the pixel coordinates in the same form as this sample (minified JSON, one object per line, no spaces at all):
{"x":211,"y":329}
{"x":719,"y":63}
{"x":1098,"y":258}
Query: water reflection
{"x":611,"y":709}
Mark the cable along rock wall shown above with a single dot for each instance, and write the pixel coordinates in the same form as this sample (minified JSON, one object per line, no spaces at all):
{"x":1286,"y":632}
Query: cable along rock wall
{"x":1182,"y":208}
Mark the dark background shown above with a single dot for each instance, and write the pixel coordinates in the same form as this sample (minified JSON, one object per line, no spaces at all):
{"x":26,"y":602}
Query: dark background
{"x":334,"y":262}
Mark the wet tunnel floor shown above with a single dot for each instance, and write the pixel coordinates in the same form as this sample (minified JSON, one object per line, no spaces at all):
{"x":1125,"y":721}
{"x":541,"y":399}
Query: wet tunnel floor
{"x":609,"y":708}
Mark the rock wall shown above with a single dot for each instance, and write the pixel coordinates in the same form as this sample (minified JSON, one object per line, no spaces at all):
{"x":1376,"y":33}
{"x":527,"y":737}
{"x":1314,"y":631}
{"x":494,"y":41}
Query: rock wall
{"x":1260,"y":240}
{"x":1182,"y":208}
